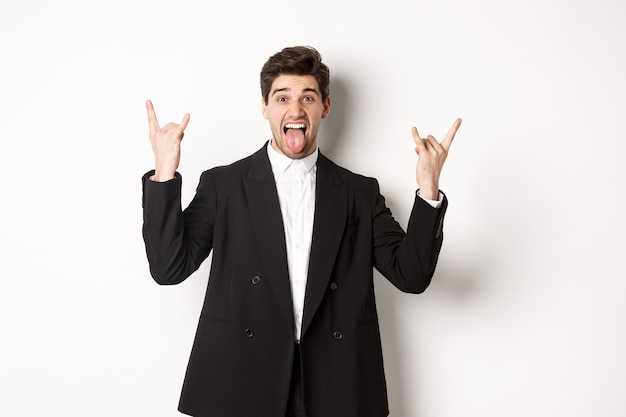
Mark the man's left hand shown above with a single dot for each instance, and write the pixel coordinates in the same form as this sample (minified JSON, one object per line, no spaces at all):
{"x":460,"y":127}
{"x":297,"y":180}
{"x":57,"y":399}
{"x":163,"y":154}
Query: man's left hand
{"x":432,"y":155}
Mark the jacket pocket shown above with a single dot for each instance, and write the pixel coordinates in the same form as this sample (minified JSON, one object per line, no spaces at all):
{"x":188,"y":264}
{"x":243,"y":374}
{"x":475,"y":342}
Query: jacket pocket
{"x":205,"y":316}
{"x":368,"y":322}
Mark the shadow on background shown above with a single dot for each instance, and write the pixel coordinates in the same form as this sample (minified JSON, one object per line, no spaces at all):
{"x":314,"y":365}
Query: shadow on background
{"x":332,"y":136}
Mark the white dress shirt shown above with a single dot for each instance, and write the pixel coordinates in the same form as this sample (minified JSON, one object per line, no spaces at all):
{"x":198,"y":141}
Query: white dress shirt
{"x":295,"y":184}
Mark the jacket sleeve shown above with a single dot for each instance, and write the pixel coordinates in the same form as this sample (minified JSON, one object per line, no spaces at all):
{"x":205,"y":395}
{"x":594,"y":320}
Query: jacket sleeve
{"x":407,"y":260}
{"x":177,"y":241}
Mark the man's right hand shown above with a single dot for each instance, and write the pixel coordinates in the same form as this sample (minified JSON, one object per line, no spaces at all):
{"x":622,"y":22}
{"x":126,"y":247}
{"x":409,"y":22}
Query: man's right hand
{"x":165,"y":144}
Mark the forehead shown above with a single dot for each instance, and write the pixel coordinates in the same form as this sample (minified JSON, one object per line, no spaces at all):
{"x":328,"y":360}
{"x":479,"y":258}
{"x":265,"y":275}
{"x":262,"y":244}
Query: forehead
{"x":294,"y":83}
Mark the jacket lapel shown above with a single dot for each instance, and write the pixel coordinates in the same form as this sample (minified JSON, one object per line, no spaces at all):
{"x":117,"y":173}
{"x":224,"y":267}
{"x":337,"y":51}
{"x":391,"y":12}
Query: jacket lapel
{"x":267,"y":222}
{"x":331,"y":208}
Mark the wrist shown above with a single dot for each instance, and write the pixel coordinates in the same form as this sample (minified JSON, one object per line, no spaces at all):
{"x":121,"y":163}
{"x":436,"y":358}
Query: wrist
{"x":429,"y":193}
{"x":160,"y":176}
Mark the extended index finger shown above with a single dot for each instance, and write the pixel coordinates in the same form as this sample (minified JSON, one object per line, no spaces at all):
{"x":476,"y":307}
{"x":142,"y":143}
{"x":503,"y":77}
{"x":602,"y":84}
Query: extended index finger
{"x":447,"y":141}
{"x":153,"y":123}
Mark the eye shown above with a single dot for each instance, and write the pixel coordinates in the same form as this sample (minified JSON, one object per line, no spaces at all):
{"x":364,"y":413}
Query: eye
{"x":308,"y":98}
{"x":281,"y":99}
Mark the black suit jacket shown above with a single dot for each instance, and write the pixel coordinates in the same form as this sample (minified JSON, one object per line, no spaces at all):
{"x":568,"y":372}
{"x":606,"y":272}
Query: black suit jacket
{"x":242,"y":355}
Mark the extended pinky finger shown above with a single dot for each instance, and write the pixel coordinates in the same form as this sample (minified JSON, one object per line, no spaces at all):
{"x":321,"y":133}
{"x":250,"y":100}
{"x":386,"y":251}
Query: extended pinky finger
{"x":420,"y":142}
{"x":185,"y":121}
{"x":416,"y":135}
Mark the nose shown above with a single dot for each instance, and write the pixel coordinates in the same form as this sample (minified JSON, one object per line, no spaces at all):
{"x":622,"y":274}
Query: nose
{"x":295,"y":109}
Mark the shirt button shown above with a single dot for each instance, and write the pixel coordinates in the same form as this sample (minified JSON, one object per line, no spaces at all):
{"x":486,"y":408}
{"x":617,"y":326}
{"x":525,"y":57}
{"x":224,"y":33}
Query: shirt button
{"x":338,"y":335}
{"x":249,"y":332}
{"x":256,"y":279}
{"x":333,"y":286}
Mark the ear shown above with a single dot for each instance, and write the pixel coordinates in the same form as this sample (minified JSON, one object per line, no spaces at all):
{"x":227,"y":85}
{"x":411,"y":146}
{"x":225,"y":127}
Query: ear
{"x":326,"y":108}
{"x":264,"y":108}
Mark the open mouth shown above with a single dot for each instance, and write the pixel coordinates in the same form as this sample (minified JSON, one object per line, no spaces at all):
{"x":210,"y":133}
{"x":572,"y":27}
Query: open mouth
{"x":295,"y":137}
{"x":297,"y":126}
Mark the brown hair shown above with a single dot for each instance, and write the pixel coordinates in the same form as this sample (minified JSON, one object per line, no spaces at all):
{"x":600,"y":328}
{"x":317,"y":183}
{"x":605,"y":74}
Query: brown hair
{"x":296,"y":60}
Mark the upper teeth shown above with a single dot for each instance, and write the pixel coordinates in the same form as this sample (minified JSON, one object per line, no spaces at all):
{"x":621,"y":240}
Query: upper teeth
{"x":294,"y":126}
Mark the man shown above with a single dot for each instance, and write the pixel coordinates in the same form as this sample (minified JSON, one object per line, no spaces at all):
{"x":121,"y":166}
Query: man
{"x":289,"y":324}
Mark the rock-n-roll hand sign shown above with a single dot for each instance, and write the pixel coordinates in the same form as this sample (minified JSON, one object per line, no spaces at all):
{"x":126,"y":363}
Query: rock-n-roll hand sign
{"x":431,"y":156}
{"x":165,"y":144}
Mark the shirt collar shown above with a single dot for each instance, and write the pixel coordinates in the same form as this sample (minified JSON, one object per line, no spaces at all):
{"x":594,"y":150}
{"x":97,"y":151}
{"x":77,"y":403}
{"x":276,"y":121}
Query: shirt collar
{"x":280,"y":162}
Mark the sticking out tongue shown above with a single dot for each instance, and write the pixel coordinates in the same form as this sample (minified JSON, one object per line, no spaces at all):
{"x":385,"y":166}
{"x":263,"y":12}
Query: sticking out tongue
{"x":294,"y":138}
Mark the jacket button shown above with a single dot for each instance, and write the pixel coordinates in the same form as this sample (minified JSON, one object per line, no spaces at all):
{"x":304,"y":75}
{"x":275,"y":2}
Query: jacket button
{"x":249,"y":332}
{"x":256,"y":279}
{"x":333,"y":286}
{"x":338,"y":335}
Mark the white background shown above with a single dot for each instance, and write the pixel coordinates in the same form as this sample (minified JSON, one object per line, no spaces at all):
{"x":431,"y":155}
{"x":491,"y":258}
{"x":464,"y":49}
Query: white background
{"x":526,"y":315}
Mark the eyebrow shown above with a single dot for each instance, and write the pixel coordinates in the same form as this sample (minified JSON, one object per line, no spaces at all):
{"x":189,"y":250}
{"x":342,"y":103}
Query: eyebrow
{"x":287,"y":89}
